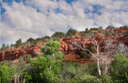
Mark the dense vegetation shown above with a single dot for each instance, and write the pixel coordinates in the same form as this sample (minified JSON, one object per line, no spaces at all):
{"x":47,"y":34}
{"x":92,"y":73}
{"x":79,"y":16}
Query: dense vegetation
{"x":45,"y":68}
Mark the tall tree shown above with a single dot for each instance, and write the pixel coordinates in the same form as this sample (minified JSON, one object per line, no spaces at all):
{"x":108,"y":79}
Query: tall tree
{"x":6,"y":74}
{"x":108,"y":45}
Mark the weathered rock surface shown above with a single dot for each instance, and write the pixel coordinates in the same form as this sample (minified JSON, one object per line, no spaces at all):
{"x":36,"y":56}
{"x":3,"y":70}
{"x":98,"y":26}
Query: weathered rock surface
{"x":66,"y":45}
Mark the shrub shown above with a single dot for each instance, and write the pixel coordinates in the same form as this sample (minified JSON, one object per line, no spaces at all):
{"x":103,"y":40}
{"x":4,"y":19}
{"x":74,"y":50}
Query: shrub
{"x":107,"y":33}
{"x":90,"y":79}
{"x":59,"y":34}
{"x":83,"y":54}
{"x":126,"y":33}
{"x":92,"y":68}
{"x":100,"y":28}
{"x":92,"y":49}
{"x":27,"y":58}
{"x":110,"y":27}
{"x":94,"y":33}
{"x":94,"y":29}
{"x":71,"y":32}
{"x":115,"y":33}
{"x":105,"y":79}
{"x":68,"y":71}
{"x":21,"y":65}
{"x":119,"y":68}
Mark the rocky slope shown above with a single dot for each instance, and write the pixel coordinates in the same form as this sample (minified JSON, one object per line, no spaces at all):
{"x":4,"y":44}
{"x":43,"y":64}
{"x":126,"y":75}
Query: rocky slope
{"x":66,"y":46}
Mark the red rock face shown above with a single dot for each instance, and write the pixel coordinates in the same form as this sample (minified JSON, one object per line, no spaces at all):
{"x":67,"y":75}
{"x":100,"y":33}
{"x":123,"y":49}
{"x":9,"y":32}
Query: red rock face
{"x":66,"y":45}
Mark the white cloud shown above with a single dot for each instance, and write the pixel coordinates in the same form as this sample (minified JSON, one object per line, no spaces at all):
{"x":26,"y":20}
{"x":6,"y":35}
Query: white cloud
{"x":23,"y":21}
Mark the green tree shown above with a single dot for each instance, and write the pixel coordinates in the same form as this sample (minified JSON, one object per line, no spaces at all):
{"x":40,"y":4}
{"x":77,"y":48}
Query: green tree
{"x":110,"y":27}
{"x":100,"y":28}
{"x":18,"y":43}
{"x":50,"y":47}
{"x":6,"y":74}
{"x":59,"y":34}
{"x":43,"y":72}
{"x":71,"y":32}
{"x":119,"y":69}
{"x":21,"y":65}
{"x":27,"y":58}
{"x":126,"y":33}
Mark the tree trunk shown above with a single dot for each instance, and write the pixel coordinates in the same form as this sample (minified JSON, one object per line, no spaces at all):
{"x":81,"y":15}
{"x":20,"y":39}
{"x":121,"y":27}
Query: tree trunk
{"x":15,"y":78}
{"x":23,"y":80}
{"x":98,"y":68}
{"x":106,"y":66}
{"x":18,"y":79}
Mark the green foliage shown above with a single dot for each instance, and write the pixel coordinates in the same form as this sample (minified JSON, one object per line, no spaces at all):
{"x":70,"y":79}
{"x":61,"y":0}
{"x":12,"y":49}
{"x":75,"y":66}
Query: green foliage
{"x":6,"y":74}
{"x":107,"y":33}
{"x":68,"y":71}
{"x":94,"y":29}
{"x":119,"y":69}
{"x":42,"y":71}
{"x":126,"y":33}
{"x":30,"y":40}
{"x":115,"y":33}
{"x":21,"y":65}
{"x":83,"y":54}
{"x":71,"y":32}
{"x":100,"y":28}
{"x":86,"y":32}
{"x":26,"y":76}
{"x":92,"y":68}
{"x":92,"y":49}
{"x":27,"y":58}
{"x":90,"y":79}
{"x":50,"y":47}
{"x":18,"y":43}
{"x":105,"y":79}
{"x":94,"y":33}
{"x":110,"y":27}
{"x":58,"y":55}
{"x":59,"y":34}
{"x":4,"y":47}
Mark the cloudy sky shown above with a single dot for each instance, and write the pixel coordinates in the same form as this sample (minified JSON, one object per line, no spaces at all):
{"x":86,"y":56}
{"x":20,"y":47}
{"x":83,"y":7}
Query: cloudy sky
{"x":37,"y":18}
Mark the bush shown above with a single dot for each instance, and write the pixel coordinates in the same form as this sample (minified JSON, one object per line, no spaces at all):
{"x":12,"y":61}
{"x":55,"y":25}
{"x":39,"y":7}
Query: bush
{"x":21,"y":65}
{"x":94,"y":29}
{"x":110,"y":27}
{"x":115,"y":33}
{"x":92,"y":49}
{"x":94,"y":33}
{"x":27,"y":58}
{"x":90,"y":79}
{"x":125,"y":33}
{"x":119,"y":68}
{"x":107,"y":33}
{"x":71,"y":32}
{"x":83,"y":54}
{"x":59,"y":34}
{"x":105,"y":79}
{"x":100,"y":28}
{"x":68,"y":71}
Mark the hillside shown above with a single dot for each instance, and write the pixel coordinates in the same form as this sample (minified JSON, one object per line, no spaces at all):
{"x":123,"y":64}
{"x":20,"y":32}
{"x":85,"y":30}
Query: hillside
{"x":34,"y":50}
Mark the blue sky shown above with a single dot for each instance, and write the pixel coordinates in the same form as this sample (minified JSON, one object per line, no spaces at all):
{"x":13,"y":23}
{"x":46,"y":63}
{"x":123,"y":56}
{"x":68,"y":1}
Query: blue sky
{"x":37,"y":18}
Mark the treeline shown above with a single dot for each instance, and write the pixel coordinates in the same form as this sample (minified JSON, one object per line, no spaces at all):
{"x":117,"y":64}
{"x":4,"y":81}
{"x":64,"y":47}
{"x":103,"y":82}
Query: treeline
{"x":56,"y":36}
